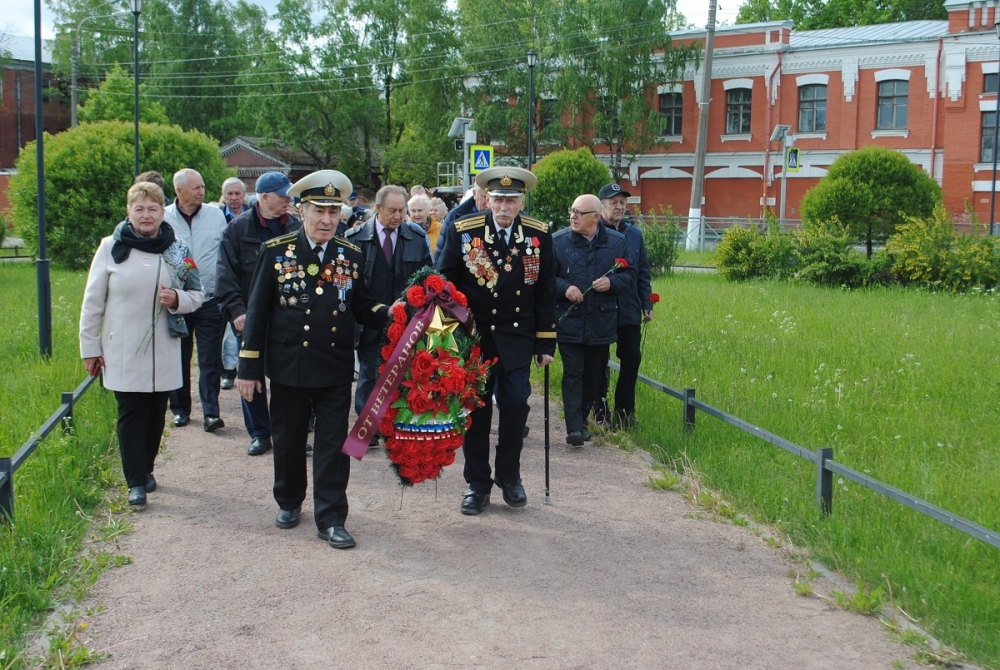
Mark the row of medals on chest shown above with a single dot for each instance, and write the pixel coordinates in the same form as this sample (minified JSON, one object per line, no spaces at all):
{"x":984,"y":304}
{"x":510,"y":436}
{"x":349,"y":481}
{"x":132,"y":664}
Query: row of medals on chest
{"x":337,"y":272}
{"x":477,"y":257}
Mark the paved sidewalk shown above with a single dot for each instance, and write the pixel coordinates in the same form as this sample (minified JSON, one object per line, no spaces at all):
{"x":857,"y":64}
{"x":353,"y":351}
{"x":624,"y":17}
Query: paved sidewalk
{"x":611,"y":575}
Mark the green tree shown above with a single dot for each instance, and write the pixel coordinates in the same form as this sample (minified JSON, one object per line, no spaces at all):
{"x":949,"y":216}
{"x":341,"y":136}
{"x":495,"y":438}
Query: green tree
{"x":817,"y":14}
{"x":115,"y":101}
{"x":562,"y":177}
{"x":870,"y":191}
{"x":88,"y":171}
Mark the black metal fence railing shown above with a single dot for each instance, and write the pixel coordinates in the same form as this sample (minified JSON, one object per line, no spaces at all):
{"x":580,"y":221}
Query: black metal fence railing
{"x":8,"y":466}
{"x":826,"y":467}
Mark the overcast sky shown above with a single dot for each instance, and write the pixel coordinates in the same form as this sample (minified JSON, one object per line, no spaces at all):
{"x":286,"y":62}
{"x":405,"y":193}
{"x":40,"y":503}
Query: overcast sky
{"x":19,"y":15}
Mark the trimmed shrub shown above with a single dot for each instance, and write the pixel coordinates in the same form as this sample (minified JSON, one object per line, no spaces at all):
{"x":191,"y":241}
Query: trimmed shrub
{"x":871,"y":191}
{"x":746,"y":253}
{"x":563,"y":176}
{"x":88,"y":171}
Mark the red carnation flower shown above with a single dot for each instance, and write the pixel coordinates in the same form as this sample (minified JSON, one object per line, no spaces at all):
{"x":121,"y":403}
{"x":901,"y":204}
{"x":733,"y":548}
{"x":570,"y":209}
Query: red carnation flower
{"x":654,"y":298}
{"x":435,"y":283}
{"x":458,"y":296}
{"x":386,"y":427}
{"x":621,"y":262}
{"x":399,"y":314}
{"x":387,"y":352}
{"x":189,"y":263}
{"x":416,"y":296}
{"x":396,"y":332}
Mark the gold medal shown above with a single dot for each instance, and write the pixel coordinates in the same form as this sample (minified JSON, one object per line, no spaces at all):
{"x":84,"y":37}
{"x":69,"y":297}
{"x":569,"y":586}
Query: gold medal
{"x":355,"y":275}
{"x":277,"y":266}
{"x":480,"y":281}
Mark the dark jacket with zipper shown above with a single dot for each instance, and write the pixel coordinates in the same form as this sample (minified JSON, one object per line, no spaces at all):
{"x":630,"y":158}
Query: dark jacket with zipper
{"x":579,"y":262}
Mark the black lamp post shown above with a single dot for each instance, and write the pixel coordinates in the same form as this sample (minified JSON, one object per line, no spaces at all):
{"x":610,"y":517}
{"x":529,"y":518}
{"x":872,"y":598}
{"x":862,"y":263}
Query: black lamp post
{"x":136,"y":10}
{"x":996,"y":126}
{"x":532,"y":57}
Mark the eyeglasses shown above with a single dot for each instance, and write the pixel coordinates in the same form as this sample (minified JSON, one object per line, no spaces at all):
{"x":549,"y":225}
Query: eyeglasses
{"x":576,"y":212}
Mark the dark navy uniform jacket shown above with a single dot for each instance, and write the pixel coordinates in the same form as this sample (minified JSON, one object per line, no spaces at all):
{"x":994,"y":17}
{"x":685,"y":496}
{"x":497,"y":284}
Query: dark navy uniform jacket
{"x":511,"y":290}
{"x":302,"y":312}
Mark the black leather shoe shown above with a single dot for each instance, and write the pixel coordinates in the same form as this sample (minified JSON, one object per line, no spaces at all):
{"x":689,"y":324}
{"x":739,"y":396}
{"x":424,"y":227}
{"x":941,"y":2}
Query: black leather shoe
{"x":524,"y":433}
{"x":150,"y":483}
{"x":513,"y":494}
{"x":287,"y":518}
{"x":181,"y":420}
{"x":574,"y":439}
{"x":260,"y":445}
{"x":213,"y":423}
{"x":226,"y":383}
{"x":474,"y":502}
{"x":137,"y":497}
{"x":338,"y":537}
{"x":587,"y":437}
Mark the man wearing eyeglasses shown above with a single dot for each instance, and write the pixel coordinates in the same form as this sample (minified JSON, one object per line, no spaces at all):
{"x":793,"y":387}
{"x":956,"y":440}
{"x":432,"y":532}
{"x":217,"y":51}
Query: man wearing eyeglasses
{"x":593,"y":269}
{"x":634,"y":309}
{"x":502,"y":261}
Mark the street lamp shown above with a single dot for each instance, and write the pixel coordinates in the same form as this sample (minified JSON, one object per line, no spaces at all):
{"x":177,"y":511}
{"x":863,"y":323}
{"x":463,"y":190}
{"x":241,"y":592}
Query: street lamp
{"x":75,"y":64}
{"x":996,"y":125}
{"x":532,"y":56}
{"x":136,"y":10}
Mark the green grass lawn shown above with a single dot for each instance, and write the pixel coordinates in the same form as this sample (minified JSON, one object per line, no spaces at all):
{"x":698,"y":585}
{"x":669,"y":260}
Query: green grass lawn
{"x":61,"y":485}
{"x":903,"y":385}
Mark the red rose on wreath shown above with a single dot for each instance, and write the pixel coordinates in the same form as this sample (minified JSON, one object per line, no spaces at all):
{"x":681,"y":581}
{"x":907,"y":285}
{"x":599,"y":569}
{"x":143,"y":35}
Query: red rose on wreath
{"x":423,"y":367}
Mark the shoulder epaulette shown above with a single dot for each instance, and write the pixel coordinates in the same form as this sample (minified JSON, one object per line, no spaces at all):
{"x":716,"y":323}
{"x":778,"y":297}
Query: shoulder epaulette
{"x":534,"y":223}
{"x":470,"y":222}
{"x":344,"y":242}
{"x":282,"y":239}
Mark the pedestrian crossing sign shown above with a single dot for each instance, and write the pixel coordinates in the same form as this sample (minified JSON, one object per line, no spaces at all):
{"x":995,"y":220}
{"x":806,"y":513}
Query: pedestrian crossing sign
{"x":791,"y":159}
{"x":480,"y":158}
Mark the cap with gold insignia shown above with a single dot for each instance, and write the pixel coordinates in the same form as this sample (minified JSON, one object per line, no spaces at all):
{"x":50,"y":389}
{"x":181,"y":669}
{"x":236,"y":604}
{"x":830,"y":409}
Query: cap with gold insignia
{"x":323,"y":188}
{"x":506,"y":180}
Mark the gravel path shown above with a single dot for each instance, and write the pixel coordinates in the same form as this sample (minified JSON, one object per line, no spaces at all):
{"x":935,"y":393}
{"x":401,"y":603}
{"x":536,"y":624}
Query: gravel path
{"x":611,"y":574}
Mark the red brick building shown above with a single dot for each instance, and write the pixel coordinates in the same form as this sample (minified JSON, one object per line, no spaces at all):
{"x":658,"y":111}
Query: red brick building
{"x":17,"y":103}
{"x":925,"y":88}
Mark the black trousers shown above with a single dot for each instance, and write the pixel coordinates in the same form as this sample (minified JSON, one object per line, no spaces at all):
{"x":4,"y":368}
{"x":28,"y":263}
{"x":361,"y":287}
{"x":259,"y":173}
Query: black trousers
{"x":207,"y":325}
{"x":584,"y":368}
{"x":140,"y":427}
{"x":291,"y":407}
{"x":512,"y":391}
{"x":629,"y":352}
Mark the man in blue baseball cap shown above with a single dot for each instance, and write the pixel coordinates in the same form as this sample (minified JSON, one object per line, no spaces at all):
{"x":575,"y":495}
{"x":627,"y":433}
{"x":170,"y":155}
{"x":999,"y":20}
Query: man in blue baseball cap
{"x":266,"y":219}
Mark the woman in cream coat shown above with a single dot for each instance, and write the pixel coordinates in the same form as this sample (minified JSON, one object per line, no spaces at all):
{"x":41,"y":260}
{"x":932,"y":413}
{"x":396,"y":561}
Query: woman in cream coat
{"x":141,"y":278}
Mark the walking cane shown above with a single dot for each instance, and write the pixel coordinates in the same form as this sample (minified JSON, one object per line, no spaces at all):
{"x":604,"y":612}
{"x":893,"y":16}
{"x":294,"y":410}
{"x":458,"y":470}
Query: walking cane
{"x":548,"y":498}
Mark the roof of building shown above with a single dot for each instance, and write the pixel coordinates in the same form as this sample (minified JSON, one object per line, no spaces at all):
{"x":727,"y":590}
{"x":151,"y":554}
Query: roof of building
{"x":19,"y":47}
{"x":885,"y":32}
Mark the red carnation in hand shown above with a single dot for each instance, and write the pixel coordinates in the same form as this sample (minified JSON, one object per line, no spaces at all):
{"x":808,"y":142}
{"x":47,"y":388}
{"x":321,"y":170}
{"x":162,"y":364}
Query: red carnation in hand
{"x":416,"y":296}
{"x":621,"y":262}
{"x":435,"y":283}
{"x":189,"y":263}
{"x":654,"y":298}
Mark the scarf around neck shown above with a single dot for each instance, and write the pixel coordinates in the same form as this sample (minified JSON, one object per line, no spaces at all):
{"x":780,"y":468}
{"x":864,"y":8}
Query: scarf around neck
{"x":127,"y":239}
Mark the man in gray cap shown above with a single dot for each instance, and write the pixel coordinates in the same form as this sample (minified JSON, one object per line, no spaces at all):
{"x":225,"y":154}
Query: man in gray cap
{"x":634,"y":308}
{"x":307,"y":293}
{"x":263,"y":221}
{"x":503,"y":263}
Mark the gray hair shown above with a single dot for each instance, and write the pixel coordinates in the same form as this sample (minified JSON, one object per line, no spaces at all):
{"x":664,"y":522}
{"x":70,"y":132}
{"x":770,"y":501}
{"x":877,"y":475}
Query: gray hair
{"x":232,"y":181}
{"x":180,"y":177}
{"x":420,"y":199}
{"x":387,"y":190}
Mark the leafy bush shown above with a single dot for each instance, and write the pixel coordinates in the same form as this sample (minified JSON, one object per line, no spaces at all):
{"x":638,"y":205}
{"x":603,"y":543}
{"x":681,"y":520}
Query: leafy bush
{"x":746,"y":253}
{"x":928,"y":252}
{"x":563,"y":176}
{"x":88,"y":171}
{"x":661,"y":242}
{"x":871,"y":191}
{"x":825,"y":255}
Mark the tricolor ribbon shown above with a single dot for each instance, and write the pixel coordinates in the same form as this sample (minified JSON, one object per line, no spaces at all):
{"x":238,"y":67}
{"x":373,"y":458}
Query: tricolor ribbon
{"x":396,"y":366}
